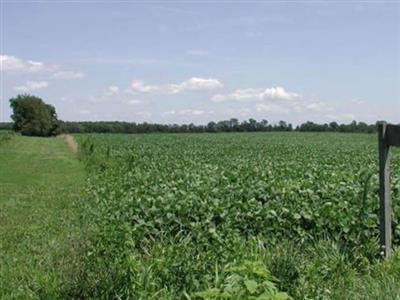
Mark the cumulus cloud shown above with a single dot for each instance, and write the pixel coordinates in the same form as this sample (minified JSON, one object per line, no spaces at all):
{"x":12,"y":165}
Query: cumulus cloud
{"x":279,"y":93}
{"x":15,"y":65}
{"x":192,"y":84}
{"x":195,"y":84}
{"x":112,"y":90}
{"x":277,"y":102}
{"x":31,"y":86}
{"x":256,"y":94}
{"x":12,"y":63}
{"x":141,"y":87}
{"x":68,"y":75}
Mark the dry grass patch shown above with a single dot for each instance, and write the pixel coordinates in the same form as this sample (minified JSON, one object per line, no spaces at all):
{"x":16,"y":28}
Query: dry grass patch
{"x":70,"y":141}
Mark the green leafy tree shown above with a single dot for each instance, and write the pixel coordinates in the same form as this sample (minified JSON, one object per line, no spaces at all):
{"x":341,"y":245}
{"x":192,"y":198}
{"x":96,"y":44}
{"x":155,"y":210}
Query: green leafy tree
{"x":33,"y":117}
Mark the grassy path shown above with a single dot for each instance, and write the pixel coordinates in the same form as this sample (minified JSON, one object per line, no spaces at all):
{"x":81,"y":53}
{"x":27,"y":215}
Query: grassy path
{"x":40,"y":180}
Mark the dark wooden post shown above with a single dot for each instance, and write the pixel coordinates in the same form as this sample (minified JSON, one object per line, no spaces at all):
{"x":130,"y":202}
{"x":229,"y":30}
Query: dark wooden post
{"x":388,"y":135}
{"x":384,"y":192}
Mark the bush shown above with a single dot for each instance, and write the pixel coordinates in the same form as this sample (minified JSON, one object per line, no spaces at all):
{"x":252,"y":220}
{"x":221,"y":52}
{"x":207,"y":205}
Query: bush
{"x":33,"y":117}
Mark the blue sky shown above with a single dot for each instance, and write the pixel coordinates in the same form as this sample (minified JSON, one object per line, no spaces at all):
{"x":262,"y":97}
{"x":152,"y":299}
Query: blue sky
{"x":197,"y":61}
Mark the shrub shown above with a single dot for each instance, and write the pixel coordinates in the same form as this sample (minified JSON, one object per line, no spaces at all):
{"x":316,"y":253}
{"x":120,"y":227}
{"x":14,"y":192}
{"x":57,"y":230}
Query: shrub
{"x":33,"y":117}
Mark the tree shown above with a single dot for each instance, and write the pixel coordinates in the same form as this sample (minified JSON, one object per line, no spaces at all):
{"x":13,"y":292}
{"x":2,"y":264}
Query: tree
{"x":252,"y":125}
{"x":33,"y":117}
{"x":233,"y":124}
{"x":333,"y":126}
{"x":211,"y":127}
{"x":282,"y":126}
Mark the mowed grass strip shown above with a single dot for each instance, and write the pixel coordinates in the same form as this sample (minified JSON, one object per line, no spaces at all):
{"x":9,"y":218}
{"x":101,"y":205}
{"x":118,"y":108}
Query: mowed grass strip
{"x":40,"y":183}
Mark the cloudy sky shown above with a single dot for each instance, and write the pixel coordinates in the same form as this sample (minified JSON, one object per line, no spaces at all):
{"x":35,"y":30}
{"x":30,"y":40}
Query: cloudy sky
{"x":197,"y":61}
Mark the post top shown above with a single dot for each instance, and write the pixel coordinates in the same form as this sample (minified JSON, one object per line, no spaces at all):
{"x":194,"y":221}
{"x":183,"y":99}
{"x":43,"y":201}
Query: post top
{"x":392,"y":135}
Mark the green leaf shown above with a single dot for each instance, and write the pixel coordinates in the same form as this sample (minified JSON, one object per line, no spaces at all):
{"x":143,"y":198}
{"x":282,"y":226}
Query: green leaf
{"x":251,"y":286}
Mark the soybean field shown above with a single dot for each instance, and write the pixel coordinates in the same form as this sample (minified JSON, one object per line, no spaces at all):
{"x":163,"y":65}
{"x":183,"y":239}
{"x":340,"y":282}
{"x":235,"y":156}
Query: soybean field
{"x":235,"y":216}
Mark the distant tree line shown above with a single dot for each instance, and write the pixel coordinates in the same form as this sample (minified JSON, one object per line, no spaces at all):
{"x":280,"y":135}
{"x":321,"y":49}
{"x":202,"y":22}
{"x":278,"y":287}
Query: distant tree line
{"x":6,"y":125}
{"x":333,"y":126}
{"x":232,"y":125}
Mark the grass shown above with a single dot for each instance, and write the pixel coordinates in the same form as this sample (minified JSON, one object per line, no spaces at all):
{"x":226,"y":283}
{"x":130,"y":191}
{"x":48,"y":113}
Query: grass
{"x":40,"y":180}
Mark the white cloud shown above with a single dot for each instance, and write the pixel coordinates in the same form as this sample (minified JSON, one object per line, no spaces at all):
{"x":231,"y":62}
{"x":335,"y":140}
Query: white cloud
{"x":15,"y":65}
{"x":256,"y":94}
{"x":357,"y":101}
{"x":279,"y":93}
{"x":12,"y":63}
{"x":68,"y":75}
{"x":140,"y":86}
{"x":169,"y":112}
{"x":218,"y":98}
{"x":112,"y":90}
{"x":192,"y":84}
{"x":31,"y":86}
{"x":134,"y":102}
{"x":195,"y":112}
{"x":319,"y":107}
{"x":276,"y":102}
{"x":186,"y":112}
{"x":195,"y":84}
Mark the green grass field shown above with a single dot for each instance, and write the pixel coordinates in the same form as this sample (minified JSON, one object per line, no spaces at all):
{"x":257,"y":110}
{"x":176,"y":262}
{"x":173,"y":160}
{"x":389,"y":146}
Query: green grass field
{"x":195,"y":216}
{"x":40,"y":181}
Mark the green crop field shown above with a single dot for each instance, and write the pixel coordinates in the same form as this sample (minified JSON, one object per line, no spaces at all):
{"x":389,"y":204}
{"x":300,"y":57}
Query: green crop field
{"x":195,"y":216}
{"x":236,"y":216}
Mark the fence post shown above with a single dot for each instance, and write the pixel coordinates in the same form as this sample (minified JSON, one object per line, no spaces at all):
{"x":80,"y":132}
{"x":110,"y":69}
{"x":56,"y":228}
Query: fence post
{"x":384,"y":192}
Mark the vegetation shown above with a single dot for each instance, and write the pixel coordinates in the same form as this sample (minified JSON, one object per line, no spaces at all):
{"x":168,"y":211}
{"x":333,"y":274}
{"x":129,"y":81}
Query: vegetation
{"x":33,"y":117}
{"x":229,"y":216}
{"x":40,"y":182}
{"x":5,"y":136}
{"x":210,"y":216}
{"x":232,"y":125}
{"x":6,"y":126}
